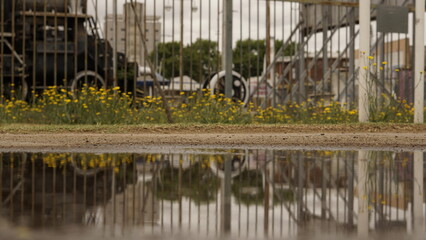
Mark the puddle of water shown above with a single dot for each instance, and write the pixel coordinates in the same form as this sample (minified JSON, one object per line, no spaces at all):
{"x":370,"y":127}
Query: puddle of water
{"x":248,"y":193}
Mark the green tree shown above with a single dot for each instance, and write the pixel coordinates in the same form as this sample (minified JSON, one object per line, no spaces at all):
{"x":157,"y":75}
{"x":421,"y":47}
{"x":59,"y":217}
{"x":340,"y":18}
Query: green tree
{"x":168,"y":58}
{"x":249,"y":55}
{"x":199,"y":59}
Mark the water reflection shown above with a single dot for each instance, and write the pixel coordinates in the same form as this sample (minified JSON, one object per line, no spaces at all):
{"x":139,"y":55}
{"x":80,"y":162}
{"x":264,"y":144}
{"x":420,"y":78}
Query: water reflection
{"x":272,"y":192}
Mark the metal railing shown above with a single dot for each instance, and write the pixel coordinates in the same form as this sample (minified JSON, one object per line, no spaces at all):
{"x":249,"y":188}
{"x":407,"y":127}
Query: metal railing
{"x":311,"y":55}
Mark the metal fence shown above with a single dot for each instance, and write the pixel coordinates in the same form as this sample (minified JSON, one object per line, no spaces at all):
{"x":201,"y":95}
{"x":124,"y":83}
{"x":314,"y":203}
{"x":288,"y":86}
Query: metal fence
{"x":273,"y":193}
{"x":284,"y":50}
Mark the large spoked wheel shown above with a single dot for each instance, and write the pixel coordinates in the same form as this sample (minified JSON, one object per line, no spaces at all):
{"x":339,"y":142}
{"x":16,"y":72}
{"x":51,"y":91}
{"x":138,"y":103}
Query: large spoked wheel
{"x":83,"y":169}
{"x":16,"y":90}
{"x":238,"y":162}
{"x":87,"y":79}
{"x":240,"y":90}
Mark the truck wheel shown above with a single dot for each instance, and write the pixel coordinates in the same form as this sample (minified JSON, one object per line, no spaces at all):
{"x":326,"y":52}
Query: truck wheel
{"x":240,"y":90}
{"x":87,"y":79}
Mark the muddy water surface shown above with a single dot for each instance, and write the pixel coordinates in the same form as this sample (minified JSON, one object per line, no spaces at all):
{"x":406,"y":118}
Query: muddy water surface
{"x":242,"y":193}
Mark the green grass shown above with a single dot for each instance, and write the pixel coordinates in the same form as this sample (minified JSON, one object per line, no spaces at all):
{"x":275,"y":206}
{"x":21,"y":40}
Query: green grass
{"x":89,"y":106}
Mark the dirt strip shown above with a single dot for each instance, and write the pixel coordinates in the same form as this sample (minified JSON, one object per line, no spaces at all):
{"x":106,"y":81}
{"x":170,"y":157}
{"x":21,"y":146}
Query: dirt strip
{"x":325,"y":136}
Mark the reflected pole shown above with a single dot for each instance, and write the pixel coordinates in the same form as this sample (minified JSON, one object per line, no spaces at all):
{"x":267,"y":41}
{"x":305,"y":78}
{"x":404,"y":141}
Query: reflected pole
{"x":362,"y":194}
{"x":418,"y":193}
{"x":226,"y":196}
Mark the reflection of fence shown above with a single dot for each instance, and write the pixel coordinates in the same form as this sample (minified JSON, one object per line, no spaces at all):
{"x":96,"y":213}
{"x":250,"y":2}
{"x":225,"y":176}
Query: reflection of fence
{"x":274,"y":192}
{"x":312,"y":54}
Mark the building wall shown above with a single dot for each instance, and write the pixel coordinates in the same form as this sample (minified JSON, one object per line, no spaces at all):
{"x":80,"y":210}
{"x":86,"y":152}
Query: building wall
{"x":129,"y":37}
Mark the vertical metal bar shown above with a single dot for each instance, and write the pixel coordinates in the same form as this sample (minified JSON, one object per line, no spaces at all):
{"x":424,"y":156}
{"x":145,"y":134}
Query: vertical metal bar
{"x":43,"y":195}
{"x":266,"y":197}
{"x":258,"y":68}
{"x":364,"y":47}
{"x":325,"y":22}
{"x":300,"y":183}
{"x":124,"y":206}
{"x":226,"y":196}
{"x":419,"y":61}
{"x":143,"y":35}
{"x":351,"y":183}
{"x":2,"y":160}
{"x":240,"y":181}
{"x":66,"y":62}
{"x":323,"y":190}
{"x":268,"y":40}
{"x":200,"y":37}
{"x":273,"y":181}
{"x":181,"y":48}
{"x":23,"y":170}
{"x":135,"y":46}
{"x":301,"y":66}
{"x":190,"y":182}
{"x":418,"y":192}
{"x":106,"y":52}
{"x":173,"y":49}
{"x":191,"y":20}
{"x":171,"y":202}
{"x":11,"y":182}
{"x":339,"y":10}
{"x":180,"y":196}
{"x":53,"y":191}
{"x":256,"y":213}
{"x":97,"y":37}
{"x":23,"y":52}
{"x":2,"y":33}
{"x":227,"y":46}
{"x":64,"y":189}
{"x":55,"y":47}
{"x":218,"y":58}
{"x":115,"y":48}
{"x":274,"y":72}
{"x":249,"y":74}
{"x":74,"y":194}
{"x":33,"y":183}
{"x":362,"y":194}
{"x":135,"y":173}
{"x":34,"y":50}
{"x":12,"y":80}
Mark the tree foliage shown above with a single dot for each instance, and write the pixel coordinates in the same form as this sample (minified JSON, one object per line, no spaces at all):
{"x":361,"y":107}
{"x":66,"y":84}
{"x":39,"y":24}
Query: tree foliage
{"x":200,"y":59}
{"x":248,"y":55}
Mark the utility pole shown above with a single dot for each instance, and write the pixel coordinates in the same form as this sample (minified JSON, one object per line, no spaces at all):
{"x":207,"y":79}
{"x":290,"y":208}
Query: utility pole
{"x":268,"y":36}
{"x":227,"y":46}
{"x":364,"y":47}
{"x":419,"y":62}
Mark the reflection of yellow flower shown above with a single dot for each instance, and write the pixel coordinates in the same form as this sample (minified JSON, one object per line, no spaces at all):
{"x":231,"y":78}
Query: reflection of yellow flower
{"x":384,"y":63}
{"x":370,"y":57}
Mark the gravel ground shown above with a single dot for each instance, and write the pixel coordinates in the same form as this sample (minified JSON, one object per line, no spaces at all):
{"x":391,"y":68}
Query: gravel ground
{"x":131,"y":138}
